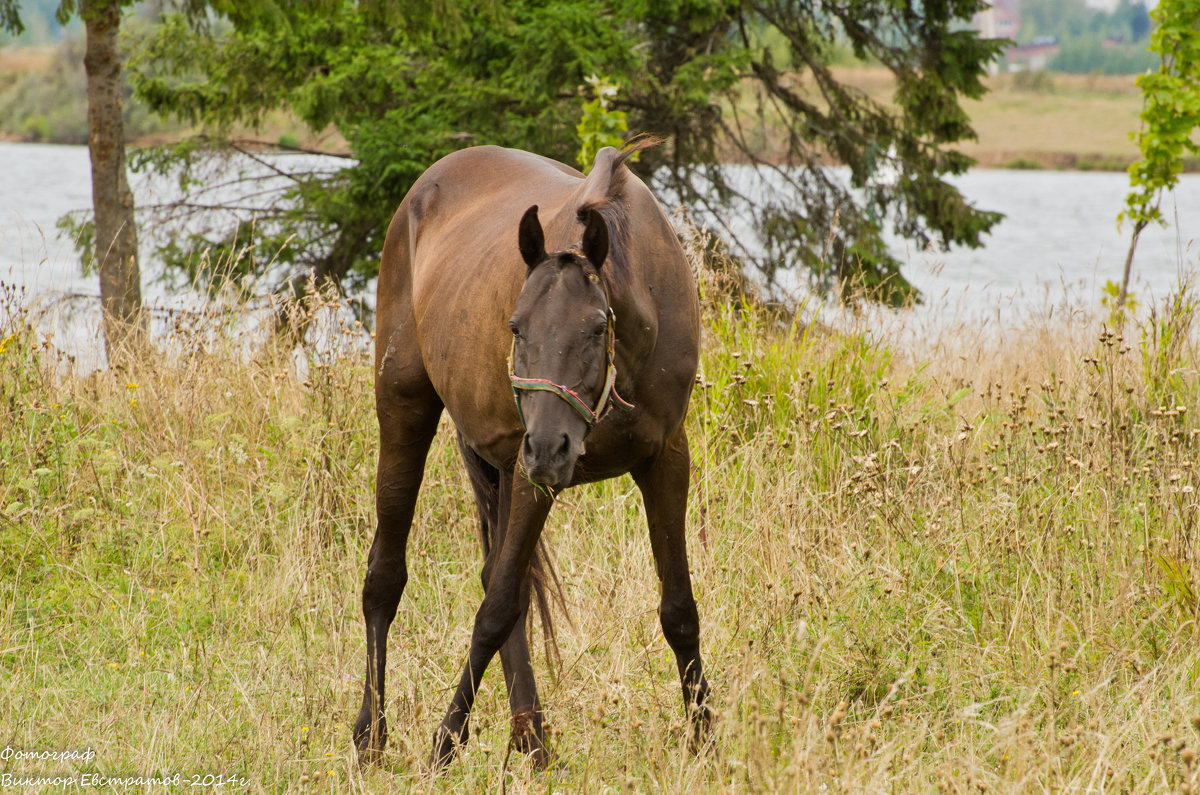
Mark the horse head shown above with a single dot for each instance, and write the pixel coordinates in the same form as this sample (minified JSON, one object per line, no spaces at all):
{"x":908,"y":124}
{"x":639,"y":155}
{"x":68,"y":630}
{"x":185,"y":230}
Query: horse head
{"x":562,"y":356}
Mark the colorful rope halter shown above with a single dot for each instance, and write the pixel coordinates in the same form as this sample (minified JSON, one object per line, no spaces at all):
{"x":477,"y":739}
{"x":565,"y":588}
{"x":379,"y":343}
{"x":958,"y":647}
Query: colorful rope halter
{"x":608,"y":396}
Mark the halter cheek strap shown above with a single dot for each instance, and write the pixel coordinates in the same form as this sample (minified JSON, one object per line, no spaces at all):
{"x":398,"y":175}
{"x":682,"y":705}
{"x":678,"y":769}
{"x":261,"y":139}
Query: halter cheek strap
{"x":608,"y":395}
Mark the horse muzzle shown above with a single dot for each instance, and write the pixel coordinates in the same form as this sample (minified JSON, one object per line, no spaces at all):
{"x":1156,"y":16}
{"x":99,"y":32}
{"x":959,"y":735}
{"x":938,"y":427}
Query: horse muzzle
{"x":549,"y":458}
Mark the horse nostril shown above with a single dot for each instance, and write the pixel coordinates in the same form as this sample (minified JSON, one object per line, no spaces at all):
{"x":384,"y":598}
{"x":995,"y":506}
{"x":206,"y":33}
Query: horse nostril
{"x":552,"y":447}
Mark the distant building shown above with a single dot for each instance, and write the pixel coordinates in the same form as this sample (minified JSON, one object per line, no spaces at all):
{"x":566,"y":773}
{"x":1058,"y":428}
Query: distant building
{"x":1001,"y":20}
{"x":1032,"y":57}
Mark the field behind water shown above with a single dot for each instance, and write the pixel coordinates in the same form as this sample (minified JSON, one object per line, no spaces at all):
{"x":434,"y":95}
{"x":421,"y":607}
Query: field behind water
{"x":972,"y":570}
{"x":1038,"y":120}
{"x":1041,"y":119}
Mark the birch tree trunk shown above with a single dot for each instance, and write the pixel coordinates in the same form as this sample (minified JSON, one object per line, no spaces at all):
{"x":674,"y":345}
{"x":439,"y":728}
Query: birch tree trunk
{"x":112,"y":201}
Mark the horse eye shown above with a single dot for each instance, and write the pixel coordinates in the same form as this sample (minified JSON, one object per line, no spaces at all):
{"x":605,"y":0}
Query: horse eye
{"x":512,"y":325}
{"x":599,"y":331}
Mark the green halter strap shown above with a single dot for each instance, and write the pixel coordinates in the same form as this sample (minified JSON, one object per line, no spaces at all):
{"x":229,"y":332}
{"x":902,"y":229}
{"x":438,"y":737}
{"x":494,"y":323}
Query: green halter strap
{"x":608,"y":395}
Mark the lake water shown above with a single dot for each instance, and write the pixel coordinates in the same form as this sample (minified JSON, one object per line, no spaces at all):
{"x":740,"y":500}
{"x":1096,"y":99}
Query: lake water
{"x":1056,"y":247}
{"x":1059,"y":234}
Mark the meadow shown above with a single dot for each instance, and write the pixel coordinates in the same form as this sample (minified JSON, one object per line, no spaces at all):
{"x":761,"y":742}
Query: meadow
{"x":969,"y":567}
{"x":1041,"y":119}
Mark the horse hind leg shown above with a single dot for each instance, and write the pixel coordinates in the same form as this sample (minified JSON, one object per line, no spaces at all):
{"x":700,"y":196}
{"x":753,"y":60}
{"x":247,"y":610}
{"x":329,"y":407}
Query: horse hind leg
{"x":488,"y":486}
{"x":408,"y":419}
{"x":664,"y":486}
{"x":499,"y":613}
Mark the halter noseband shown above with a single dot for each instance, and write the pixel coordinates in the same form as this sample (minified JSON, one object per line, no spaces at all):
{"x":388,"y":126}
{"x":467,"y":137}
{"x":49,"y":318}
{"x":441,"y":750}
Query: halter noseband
{"x":608,"y":396}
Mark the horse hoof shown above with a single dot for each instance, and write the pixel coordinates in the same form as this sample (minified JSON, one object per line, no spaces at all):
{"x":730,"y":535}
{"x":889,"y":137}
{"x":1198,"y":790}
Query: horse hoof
{"x":700,"y":736}
{"x":526,"y":737}
{"x":531,"y":746}
{"x":445,"y":746}
{"x":370,"y":743}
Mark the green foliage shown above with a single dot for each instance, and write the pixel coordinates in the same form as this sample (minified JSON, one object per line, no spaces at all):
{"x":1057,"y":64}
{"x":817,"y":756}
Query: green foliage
{"x":1038,"y":82}
{"x":954,"y":577}
{"x":80,"y":227}
{"x":51,"y":103}
{"x":404,"y":95}
{"x":1167,"y":353}
{"x":1089,"y":54}
{"x":1091,"y":40}
{"x":1024,"y":164}
{"x":1170,"y":117}
{"x":1178,"y":585}
{"x":1171,"y":113}
{"x":1119,"y":308}
{"x":33,"y":22}
{"x":40,"y":21}
{"x":400,"y":95}
{"x":1069,"y":21}
{"x":600,"y":125}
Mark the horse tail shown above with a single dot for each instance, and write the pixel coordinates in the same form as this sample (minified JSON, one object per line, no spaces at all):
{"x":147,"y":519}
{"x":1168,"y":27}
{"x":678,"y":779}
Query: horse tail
{"x":545,"y":587}
{"x":545,"y":590}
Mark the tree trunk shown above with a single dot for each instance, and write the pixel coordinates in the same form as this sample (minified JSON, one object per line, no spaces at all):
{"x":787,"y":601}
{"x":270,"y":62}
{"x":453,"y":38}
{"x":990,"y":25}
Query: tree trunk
{"x":1124,"y":294}
{"x":112,"y":201}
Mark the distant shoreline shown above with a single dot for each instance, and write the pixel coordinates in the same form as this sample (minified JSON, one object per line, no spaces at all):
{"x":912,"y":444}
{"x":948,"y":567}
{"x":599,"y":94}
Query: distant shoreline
{"x":1028,"y":160}
{"x":1063,"y":161}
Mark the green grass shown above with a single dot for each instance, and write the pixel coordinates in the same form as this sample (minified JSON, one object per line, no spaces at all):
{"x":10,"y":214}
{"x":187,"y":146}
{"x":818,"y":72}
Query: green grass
{"x":1057,"y":121}
{"x":974,"y":571}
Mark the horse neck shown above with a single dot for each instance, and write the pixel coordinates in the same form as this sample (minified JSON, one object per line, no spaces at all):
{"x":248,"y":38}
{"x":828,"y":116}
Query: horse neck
{"x":636,"y":324}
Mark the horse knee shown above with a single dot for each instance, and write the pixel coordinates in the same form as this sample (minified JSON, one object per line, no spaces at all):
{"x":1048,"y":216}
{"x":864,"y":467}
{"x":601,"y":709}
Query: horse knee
{"x":383,"y":587}
{"x":495,"y":621}
{"x":680,"y":622}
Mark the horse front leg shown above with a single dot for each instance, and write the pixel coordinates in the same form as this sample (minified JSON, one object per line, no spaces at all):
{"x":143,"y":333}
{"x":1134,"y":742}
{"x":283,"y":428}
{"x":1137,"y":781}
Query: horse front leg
{"x":493,"y":491}
{"x":664,"y":486}
{"x":497,"y":615}
{"x":405,"y":436}
{"x":528,"y":737}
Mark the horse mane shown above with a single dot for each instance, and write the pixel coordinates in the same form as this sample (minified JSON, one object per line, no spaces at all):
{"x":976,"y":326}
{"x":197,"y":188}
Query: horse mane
{"x":603,"y":191}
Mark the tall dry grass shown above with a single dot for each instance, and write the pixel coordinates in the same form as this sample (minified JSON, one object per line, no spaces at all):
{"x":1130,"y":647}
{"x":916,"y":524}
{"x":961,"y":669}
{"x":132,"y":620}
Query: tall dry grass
{"x":972,"y":570}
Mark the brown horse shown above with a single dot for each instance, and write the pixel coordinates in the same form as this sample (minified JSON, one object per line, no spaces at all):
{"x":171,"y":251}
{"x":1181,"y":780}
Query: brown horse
{"x":528,"y":332}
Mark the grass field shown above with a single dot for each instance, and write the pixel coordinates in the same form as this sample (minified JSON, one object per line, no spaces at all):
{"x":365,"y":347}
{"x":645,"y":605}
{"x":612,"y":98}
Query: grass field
{"x":1051,"y":120}
{"x":1072,"y":120}
{"x":974,"y":572}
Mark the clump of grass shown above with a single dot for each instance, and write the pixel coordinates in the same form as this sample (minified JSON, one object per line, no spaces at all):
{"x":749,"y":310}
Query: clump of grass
{"x":969,"y":571}
{"x":1039,"y":81}
{"x":1024,"y":164}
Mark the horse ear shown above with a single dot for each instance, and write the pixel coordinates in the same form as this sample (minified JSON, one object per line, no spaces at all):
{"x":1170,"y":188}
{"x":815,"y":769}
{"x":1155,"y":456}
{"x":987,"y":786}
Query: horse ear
{"x":530,"y":238}
{"x":595,"y":239}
